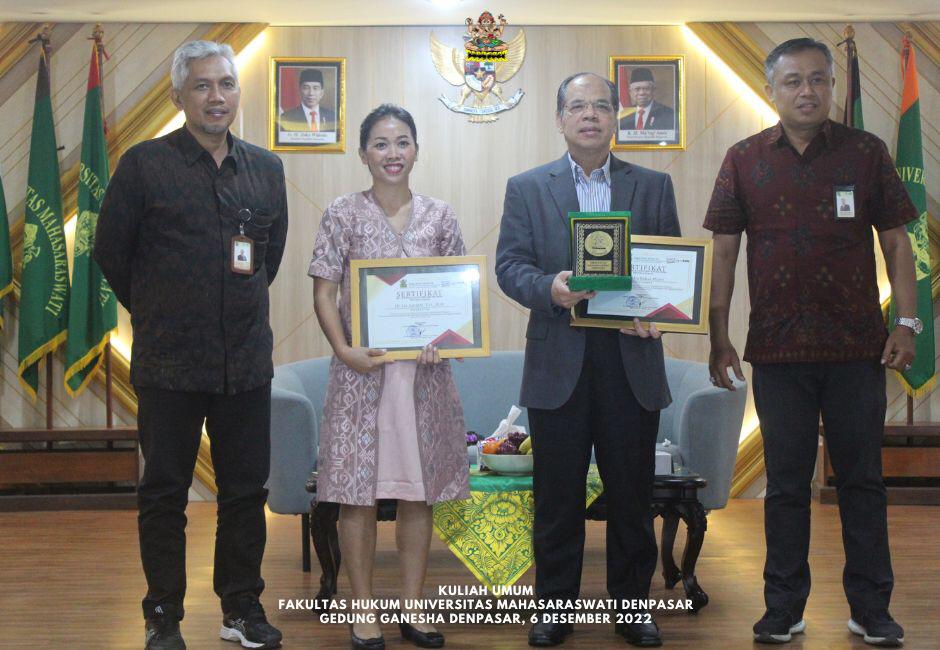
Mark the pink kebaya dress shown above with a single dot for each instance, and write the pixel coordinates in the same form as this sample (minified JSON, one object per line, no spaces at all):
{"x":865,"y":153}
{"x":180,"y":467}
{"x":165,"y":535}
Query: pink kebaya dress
{"x":398,"y":431}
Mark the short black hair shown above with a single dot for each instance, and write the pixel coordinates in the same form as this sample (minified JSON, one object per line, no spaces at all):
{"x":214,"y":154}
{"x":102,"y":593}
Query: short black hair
{"x":791,"y":46}
{"x":563,"y":91}
{"x":385,"y":110}
{"x":310,"y":75}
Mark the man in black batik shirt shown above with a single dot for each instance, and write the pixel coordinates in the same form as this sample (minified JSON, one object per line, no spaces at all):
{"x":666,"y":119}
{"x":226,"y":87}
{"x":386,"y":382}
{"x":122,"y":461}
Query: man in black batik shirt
{"x":175,"y":213}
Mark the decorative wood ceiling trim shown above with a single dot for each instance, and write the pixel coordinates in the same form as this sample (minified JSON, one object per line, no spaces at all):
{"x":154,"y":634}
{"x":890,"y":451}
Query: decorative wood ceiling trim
{"x":142,"y":122}
{"x":749,"y":464}
{"x":738,"y":50}
{"x":740,"y":53}
{"x":14,"y":43}
{"x":926,"y":37}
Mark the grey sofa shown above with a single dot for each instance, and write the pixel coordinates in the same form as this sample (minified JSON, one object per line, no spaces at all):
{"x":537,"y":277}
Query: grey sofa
{"x":703,"y":423}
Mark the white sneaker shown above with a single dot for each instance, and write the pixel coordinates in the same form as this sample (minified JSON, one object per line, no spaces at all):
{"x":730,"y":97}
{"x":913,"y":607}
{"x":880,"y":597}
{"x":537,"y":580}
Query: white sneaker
{"x":878,"y":630}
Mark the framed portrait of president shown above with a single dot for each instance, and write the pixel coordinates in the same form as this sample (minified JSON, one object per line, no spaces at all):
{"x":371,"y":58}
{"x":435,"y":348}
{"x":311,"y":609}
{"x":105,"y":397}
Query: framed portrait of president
{"x":307,"y":105}
{"x":651,"y":90}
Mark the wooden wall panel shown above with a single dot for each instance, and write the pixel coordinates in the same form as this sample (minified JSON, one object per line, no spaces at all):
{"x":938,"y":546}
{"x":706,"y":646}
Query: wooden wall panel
{"x":468,"y":164}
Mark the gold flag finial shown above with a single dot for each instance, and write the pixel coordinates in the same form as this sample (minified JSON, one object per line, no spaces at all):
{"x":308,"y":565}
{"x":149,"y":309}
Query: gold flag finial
{"x":97,"y":33}
{"x":44,"y":38}
{"x":848,"y":32}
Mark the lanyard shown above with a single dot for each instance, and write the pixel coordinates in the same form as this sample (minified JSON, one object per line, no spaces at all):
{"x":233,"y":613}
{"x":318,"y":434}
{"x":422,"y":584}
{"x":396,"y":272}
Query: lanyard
{"x":244,"y":216}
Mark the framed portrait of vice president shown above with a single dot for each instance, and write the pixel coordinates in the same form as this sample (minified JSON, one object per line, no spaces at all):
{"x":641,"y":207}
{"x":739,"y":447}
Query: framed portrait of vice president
{"x":307,"y":105}
{"x":651,"y":90}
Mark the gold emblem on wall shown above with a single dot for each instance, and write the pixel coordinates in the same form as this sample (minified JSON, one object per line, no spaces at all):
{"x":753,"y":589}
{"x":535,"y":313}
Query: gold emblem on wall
{"x":480,"y":67}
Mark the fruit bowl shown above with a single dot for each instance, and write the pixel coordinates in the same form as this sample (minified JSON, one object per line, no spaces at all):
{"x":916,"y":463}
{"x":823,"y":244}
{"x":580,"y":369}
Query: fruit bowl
{"x":509,"y":464}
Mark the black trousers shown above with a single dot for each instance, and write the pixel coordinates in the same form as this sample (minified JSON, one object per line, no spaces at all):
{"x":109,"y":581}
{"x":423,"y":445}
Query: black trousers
{"x":602,"y":412}
{"x":170,"y":424}
{"x":851,"y":398}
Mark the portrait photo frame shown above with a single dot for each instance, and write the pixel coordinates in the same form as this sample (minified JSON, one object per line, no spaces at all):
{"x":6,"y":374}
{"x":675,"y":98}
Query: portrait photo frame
{"x":402,"y":304}
{"x":671,"y":287}
{"x":299,"y":88}
{"x":660,"y":82}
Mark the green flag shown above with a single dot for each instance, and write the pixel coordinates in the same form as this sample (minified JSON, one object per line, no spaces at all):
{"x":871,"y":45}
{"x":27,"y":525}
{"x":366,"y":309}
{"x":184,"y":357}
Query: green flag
{"x":6,"y":257}
{"x":910,"y":163}
{"x":852,"y":114}
{"x":44,"y":296}
{"x":93,"y":307}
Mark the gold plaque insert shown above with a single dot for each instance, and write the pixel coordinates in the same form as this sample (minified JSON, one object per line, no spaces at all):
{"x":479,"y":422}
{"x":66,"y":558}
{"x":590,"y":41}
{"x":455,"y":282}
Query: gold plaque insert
{"x":599,"y":243}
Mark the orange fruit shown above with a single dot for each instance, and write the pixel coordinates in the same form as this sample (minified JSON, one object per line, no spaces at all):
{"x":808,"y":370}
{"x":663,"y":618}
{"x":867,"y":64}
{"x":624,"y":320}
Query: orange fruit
{"x":490,"y":446}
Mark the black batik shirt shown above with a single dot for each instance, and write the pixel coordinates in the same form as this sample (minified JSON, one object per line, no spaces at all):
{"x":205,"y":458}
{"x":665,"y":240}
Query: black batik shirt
{"x":163,"y":242}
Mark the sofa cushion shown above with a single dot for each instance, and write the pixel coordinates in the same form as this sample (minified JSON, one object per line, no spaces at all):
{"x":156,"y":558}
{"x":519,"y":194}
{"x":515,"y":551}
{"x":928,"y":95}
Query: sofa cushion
{"x":488,"y":387}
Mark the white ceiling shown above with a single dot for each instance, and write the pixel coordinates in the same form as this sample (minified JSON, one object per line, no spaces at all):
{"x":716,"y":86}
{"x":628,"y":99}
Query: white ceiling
{"x":453,"y":12}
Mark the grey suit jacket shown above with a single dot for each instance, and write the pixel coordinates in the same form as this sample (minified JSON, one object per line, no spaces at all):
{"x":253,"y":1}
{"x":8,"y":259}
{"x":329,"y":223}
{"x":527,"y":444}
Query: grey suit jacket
{"x":534,"y":245}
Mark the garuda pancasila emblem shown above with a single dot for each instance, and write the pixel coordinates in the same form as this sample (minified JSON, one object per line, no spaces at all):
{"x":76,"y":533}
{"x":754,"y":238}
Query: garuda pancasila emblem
{"x":480,"y":67}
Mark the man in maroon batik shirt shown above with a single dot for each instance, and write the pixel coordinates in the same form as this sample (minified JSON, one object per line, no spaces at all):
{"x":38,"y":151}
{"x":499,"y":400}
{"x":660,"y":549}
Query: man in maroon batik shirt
{"x":808,"y":192}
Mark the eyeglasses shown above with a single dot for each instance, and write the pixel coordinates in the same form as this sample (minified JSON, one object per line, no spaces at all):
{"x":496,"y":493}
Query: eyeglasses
{"x":601,"y":106}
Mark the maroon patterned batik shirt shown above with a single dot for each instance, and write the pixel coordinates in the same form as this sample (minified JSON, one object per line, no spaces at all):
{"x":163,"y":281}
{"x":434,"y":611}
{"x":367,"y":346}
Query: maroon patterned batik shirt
{"x":811,"y":273}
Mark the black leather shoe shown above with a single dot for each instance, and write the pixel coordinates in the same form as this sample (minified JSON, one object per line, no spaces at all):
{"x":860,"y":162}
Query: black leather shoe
{"x":419,"y":638}
{"x":640,"y":633}
{"x":375,"y":643}
{"x":543,"y":635}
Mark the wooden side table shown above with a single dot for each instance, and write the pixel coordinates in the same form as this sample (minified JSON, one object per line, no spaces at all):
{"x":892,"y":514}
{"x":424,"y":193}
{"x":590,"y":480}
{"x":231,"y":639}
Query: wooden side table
{"x":675,"y":497}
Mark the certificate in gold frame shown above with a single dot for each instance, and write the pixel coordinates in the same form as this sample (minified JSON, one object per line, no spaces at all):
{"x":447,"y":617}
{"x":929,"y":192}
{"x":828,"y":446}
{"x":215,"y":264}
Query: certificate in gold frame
{"x":690,"y":315}
{"x":662,"y":79}
{"x":289,"y":126}
{"x":370,"y":277}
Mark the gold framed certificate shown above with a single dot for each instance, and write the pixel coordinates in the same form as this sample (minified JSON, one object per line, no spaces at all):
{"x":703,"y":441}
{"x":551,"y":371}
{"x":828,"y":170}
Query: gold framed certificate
{"x":671,"y":287}
{"x":403,"y":304}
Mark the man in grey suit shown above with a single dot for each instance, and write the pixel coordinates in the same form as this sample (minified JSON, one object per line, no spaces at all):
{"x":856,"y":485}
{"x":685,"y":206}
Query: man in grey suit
{"x":586,"y":387}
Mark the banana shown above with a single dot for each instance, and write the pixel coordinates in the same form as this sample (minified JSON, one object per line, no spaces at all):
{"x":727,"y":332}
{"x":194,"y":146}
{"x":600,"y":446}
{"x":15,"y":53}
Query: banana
{"x":526,"y":446}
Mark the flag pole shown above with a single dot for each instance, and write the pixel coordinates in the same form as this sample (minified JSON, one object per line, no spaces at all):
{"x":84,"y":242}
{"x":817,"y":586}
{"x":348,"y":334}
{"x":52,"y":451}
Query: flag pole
{"x":49,"y":393}
{"x":45,"y":40}
{"x":852,"y":112}
{"x":97,"y":35}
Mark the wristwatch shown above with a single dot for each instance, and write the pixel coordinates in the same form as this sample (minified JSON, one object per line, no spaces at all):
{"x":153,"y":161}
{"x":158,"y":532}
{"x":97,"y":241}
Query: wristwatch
{"x":913,"y":324}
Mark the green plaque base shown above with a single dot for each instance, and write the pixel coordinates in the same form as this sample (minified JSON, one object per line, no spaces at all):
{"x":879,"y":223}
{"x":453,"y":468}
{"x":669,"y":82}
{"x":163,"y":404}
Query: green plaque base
{"x":600,"y":282}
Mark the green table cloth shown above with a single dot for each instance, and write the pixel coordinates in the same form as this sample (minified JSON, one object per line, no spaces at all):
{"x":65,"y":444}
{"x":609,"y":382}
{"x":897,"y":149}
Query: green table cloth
{"x":491,"y":532}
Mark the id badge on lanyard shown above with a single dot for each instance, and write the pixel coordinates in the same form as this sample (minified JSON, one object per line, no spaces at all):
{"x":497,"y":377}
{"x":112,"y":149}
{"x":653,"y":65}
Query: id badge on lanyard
{"x":243,"y":248}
